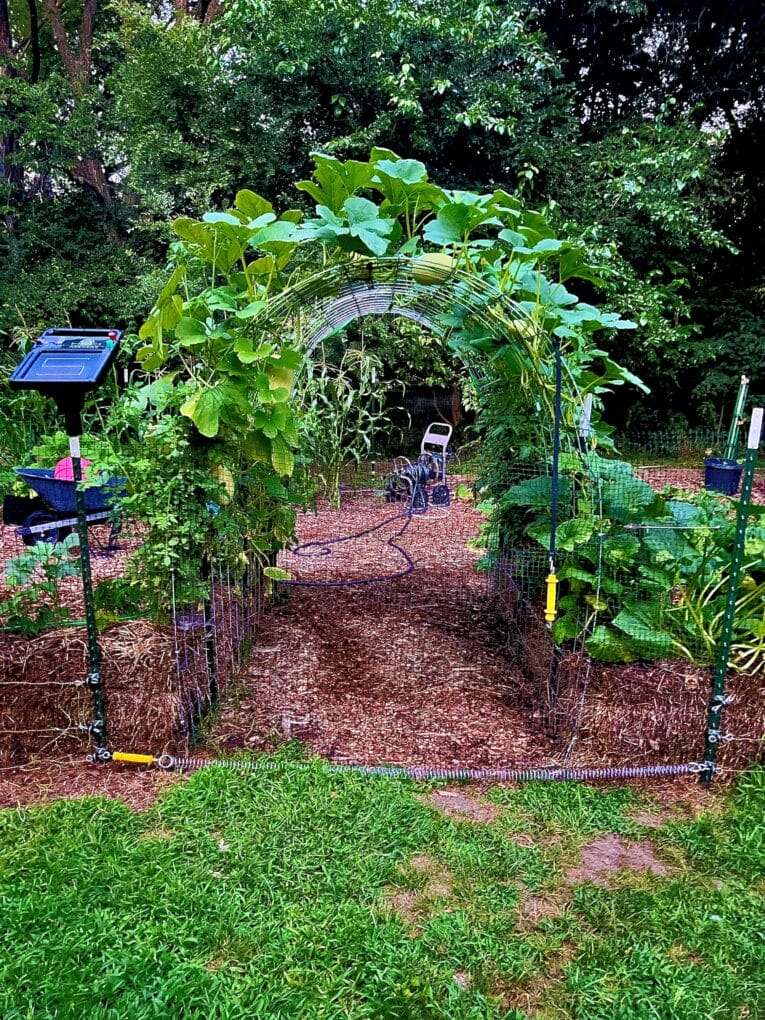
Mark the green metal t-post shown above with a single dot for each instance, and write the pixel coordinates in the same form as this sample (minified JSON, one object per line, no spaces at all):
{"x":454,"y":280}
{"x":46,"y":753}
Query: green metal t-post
{"x":736,"y":421}
{"x":93,"y":680}
{"x":718,"y":698}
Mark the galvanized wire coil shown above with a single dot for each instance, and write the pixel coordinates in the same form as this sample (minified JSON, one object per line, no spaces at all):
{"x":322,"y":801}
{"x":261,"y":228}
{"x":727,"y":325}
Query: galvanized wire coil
{"x":184,"y":764}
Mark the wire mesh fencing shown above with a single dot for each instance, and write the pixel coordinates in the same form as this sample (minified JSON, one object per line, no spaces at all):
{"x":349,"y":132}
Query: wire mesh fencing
{"x":420,"y":638}
{"x":644,"y":566}
{"x":212,"y":639}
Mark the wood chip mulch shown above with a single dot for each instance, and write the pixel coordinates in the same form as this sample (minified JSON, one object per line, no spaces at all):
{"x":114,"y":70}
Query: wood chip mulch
{"x":406,"y":671}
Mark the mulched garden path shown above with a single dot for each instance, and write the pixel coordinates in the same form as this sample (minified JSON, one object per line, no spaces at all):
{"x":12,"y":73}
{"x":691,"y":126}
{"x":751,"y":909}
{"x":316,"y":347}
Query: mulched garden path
{"x":406,"y":671}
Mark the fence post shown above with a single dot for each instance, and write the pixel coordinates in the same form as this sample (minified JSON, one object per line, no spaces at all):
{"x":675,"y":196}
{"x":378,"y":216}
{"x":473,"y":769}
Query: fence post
{"x":551,"y":607}
{"x":94,"y":680}
{"x":208,"y":625}
{"x":718,"y":698}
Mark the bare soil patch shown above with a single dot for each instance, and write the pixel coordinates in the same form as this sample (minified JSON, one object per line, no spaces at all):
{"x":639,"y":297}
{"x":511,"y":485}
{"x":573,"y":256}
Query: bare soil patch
{"x":461,"y":806}
{"x":603,"y":857}
{"x":536,"y":907}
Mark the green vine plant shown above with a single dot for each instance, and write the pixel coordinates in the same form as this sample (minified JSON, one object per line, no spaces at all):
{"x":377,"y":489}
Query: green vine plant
{"x":646,"y":573}
{"x":224,"y":431}
{"x":35,"y":605}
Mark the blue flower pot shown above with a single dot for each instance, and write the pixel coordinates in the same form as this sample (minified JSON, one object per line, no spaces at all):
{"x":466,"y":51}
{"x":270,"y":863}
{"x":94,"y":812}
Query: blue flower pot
{"x":722,"y":475}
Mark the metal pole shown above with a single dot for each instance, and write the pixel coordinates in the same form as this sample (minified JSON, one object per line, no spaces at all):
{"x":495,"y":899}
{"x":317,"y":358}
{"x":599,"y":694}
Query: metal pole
{"x":93,"y":680}
{"x":551,"y":607}
{"x":718,"y":698}
{"x":737,"y":420}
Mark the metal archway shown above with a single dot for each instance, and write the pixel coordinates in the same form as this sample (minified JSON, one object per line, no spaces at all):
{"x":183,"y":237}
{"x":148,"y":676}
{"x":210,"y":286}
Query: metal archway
{"x":438,"y":297}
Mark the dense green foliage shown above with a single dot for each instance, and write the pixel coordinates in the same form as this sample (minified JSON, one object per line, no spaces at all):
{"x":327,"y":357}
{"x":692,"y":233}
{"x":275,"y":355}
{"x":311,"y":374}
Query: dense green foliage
{"x":318,"y":895}
{"x":115,"y":118}
{"x":646,"y":572}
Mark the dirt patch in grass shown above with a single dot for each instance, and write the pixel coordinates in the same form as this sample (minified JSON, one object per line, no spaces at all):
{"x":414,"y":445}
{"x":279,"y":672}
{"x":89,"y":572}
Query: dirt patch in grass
{"x":652,"y":819}
{"x":461,"y":806}
{"x":439,"y":884}
{"x":678,"y":953}
{"x":230,"y":956}
{"x":603,"y":857}
{"x":532,"y":996}
{"x":160,"y":833}
{"x":405,"y":903}
{"x":536,"y":907}
{"x":436,"y":888}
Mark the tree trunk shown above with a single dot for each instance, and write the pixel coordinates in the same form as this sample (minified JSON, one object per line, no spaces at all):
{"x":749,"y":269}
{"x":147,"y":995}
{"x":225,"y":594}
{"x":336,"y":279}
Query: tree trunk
{"x":9,"y":173}
{"x":88,"y":169}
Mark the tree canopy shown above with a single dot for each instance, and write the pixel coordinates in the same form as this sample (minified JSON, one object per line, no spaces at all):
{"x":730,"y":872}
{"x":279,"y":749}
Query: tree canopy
{"x":634,"y":128}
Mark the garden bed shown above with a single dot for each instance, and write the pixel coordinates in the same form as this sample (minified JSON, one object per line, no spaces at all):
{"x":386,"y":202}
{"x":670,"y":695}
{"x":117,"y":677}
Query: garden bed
{"x":43,"y":702}
{"x":642,"y":713}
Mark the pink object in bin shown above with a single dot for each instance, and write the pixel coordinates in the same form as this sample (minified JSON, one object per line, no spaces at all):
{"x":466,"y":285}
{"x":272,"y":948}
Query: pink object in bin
{"x":64,"y":470}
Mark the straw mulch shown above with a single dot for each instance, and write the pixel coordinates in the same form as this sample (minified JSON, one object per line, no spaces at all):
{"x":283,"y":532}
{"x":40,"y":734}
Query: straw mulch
{"x":656,"y":712}
{"x":42,"y":705}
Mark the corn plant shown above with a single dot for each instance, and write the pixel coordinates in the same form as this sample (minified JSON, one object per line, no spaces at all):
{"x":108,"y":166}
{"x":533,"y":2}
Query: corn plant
{"x":342,"y":414}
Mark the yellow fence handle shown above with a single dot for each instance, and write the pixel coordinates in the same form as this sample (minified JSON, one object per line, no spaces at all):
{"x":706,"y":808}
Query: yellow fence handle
{"x":134,"y":759}
{"x":551,"y":608}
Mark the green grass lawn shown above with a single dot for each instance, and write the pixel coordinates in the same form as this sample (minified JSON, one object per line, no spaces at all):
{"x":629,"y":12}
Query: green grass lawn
{"x":309,"y":894}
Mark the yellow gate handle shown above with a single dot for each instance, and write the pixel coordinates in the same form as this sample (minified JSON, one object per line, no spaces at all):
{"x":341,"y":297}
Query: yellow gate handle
{"x":551,"y":608}
{"x":134,"y":759}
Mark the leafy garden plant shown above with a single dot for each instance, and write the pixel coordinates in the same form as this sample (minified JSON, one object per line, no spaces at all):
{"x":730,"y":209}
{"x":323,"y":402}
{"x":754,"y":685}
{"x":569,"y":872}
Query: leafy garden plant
{"x":221,"y":354}
{"x":645,"y":573}
{"x":35,"y":605}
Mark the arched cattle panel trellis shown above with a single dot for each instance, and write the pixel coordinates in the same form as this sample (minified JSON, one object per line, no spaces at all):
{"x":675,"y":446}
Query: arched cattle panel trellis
{"x":448,"y":301}
{"x":463,"y":307}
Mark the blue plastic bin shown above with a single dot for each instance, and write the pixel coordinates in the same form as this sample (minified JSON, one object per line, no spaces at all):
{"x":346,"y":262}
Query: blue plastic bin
{"x":722,"y":475}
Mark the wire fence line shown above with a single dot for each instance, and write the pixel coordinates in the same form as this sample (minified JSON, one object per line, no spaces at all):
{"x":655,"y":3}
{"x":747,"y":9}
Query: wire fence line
{"x":620,"y":679}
